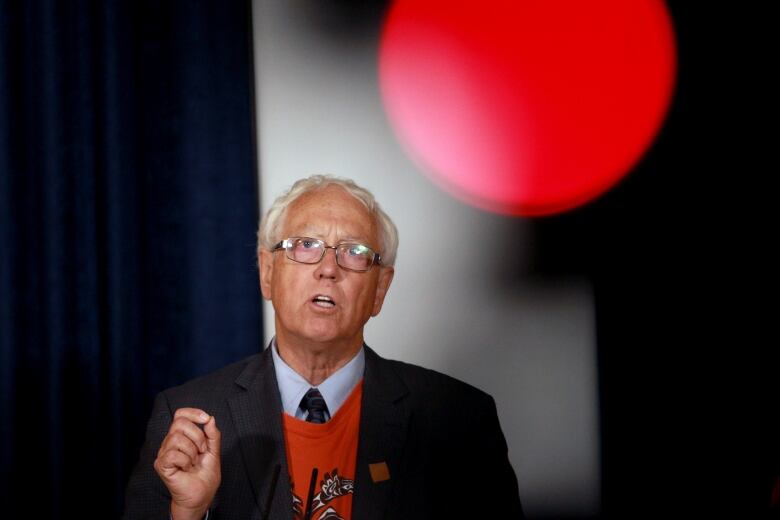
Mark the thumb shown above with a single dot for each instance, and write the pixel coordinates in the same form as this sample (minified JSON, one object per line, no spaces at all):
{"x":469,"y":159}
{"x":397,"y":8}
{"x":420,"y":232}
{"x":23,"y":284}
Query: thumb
{"x":213,"y":436}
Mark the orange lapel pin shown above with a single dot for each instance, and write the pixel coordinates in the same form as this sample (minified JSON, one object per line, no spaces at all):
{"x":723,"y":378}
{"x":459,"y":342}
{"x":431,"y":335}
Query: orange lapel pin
{"x":379,"y":471}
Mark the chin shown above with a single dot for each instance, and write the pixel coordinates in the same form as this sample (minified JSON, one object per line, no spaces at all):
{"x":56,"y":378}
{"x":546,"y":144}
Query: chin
{"x":321,"y":335}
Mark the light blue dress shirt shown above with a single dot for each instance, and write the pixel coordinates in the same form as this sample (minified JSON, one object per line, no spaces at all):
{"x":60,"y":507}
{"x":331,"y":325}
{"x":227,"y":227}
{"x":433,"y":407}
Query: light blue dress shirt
{"x":335,"y":389}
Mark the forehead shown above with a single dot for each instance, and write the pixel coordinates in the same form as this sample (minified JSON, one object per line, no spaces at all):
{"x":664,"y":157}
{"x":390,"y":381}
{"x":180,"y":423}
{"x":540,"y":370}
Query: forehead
{"x":328,"y":211}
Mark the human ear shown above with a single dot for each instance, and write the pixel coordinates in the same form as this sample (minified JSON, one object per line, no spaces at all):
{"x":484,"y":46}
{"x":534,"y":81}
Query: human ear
{"x":383,"y":285}
{"x":266,"y":259}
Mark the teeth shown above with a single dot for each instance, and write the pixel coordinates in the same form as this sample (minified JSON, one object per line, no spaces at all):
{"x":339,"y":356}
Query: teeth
{"x":324,"y":301}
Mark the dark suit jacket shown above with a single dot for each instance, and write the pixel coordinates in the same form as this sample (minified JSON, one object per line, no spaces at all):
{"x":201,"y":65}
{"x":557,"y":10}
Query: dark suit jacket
{"x":439,"y":437}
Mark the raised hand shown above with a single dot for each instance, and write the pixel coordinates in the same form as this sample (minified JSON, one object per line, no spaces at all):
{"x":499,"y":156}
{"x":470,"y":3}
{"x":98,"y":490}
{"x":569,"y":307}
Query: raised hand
{"x":188,"y":462}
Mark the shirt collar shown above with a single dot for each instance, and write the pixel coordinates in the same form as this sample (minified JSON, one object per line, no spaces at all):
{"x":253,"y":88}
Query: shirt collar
{"x":335,"y":389}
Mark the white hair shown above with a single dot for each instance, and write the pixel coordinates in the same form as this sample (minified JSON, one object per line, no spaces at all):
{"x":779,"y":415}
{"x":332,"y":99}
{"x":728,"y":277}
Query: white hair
{"x":271,"y":223}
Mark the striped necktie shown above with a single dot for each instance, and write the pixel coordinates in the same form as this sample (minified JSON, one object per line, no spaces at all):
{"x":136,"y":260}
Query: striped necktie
{"x":314,"y":403}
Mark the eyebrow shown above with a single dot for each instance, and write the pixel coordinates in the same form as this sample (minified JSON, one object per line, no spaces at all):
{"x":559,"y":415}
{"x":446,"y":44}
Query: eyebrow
{"x":315,"y":232}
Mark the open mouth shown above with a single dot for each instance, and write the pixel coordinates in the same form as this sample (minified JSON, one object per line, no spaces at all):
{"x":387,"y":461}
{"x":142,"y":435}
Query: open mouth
{"x":323,"y":301}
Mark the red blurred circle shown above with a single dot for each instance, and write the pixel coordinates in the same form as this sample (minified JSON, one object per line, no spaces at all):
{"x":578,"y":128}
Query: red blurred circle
{"x":527,"y":107}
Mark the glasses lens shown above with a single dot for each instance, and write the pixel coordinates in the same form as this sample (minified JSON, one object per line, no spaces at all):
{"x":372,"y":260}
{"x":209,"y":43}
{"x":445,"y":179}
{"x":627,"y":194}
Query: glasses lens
{"x":306,"y":250}
{"x":355,"y":256}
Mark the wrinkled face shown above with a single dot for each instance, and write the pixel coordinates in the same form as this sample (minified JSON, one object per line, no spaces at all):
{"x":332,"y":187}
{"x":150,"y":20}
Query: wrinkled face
{"x":297,"y":290}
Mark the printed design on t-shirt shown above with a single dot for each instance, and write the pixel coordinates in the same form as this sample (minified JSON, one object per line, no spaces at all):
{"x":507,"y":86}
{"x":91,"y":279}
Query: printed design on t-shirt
{"x":297,"y":504}
{"x":330,"y":514}
{"x":331,"y":487}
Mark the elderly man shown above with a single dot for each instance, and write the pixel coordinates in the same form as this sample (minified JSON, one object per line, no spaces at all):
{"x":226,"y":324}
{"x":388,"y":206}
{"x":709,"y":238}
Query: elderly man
{"x":318,"y":426}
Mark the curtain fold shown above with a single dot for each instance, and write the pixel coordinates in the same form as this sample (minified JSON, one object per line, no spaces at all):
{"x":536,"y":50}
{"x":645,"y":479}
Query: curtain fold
{"x":128,"y":206}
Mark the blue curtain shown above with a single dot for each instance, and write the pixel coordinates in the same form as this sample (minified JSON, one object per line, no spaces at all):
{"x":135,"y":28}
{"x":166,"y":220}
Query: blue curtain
{"x":128,"y":206}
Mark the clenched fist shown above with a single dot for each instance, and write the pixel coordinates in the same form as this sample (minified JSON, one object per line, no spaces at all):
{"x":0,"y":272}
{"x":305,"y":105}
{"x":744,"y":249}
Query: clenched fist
{"x":188,"y":462}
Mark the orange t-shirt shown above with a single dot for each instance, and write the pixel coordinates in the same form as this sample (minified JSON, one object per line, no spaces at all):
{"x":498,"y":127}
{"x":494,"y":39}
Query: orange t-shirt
{"x":332,"y":449}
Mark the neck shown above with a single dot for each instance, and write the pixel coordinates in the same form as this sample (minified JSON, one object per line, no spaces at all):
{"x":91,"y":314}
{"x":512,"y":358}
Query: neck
{"x":316,"y":362}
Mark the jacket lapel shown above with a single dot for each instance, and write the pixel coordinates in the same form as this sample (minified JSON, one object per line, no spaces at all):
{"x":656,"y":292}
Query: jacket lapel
{"x":384,"y":419}
{"x":257,"y":416}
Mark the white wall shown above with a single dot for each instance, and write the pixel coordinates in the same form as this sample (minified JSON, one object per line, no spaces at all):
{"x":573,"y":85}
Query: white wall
{"x":529,"y":344}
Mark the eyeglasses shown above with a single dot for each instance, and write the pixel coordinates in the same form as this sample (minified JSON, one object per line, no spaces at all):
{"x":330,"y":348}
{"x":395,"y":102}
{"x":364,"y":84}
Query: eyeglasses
{"x":349,"y":255}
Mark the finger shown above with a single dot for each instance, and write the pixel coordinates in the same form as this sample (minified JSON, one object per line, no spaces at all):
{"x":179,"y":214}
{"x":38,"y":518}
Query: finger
{"x":179,"y":441}
{"x":195,"y":415}
{"x":213,"y":436}
{"x":174,"y":460}
{"x":192,"y":431}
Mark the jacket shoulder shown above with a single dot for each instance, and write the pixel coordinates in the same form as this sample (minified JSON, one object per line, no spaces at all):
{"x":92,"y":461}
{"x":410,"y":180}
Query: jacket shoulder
{"x":216,"y":385}
{"x":430,"y":385}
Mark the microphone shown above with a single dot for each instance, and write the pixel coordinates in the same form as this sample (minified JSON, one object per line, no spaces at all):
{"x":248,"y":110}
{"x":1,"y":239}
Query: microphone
{"x":310,"y":498}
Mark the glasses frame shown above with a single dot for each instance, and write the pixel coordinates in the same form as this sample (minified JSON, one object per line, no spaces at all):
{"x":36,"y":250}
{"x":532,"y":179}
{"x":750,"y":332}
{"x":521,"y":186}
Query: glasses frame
{"x":287,"y":243}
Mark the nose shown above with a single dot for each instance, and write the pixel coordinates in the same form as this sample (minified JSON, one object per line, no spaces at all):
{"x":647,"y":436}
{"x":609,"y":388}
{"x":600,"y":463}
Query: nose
{"x":328,"y":267}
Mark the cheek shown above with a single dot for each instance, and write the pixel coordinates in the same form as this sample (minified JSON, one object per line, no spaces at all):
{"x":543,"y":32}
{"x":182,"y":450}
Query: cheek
{"x":287,"y":289}
{"x":368,"y":298}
